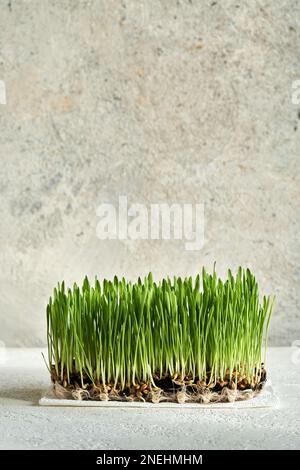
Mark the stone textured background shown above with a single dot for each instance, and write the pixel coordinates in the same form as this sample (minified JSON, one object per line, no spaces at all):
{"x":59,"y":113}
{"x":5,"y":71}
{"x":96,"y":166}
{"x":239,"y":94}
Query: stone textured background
{"x":162,"y":101}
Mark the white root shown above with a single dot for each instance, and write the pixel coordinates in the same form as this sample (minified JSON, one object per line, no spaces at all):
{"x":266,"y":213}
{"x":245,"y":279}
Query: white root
{"x":156,"y":395}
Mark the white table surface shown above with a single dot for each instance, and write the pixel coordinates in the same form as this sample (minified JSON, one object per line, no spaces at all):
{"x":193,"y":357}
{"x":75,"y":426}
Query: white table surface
{"x":26,"y":425}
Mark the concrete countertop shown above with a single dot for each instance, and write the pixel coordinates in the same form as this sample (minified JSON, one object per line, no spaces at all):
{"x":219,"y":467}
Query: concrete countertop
{"x":26,"y":425}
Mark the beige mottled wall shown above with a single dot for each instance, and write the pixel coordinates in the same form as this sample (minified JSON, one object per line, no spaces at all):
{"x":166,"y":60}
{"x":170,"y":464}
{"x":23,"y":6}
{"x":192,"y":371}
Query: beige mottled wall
{"x":163,"y":101}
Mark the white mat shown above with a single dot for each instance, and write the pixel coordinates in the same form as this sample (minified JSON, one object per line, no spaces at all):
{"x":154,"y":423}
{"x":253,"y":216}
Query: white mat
{"x":265,"y":399}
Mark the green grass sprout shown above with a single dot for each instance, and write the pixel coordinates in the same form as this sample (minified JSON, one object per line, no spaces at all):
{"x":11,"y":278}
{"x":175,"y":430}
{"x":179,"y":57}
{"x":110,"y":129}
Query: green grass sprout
{"x":125,"y":334}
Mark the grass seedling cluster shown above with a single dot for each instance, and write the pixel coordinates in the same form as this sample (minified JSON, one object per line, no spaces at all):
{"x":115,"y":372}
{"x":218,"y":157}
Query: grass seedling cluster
{"x":125,"y":334}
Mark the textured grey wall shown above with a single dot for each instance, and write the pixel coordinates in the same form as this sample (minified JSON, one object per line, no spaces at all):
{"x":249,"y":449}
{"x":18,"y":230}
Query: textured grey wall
{"x":162,"y":101}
